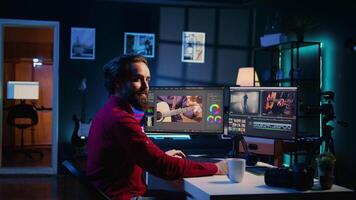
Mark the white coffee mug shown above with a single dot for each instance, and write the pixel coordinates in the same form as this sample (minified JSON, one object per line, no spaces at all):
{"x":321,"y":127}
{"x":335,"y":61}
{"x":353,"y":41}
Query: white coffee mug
{"x":236,"y":169}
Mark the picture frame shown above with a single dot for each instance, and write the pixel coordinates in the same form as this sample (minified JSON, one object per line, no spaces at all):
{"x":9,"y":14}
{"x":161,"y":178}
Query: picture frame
{"x":140,"y":43}
{"x":193,"y":47}
{"x":82,"y":43}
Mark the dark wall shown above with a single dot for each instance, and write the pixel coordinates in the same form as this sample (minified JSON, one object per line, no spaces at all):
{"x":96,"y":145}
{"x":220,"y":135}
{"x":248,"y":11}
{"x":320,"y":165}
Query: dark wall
{"x":228,"y":46}
{"x":334,"y":24}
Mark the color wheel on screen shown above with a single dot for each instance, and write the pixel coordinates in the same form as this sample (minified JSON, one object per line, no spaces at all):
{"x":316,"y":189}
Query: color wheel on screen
{"x":218,"y":119}
{"x":214,"y":109}
{"x":210,"y":119}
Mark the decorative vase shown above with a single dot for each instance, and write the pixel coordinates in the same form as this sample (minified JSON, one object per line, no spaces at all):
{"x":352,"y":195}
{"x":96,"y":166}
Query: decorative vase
{"x":326,"y":165}
{"x":326,"y":178}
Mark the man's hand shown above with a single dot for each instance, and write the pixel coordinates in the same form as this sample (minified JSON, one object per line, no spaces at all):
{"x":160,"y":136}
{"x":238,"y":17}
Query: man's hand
{"x":281,"y":102}
{"x":222,"y":167}
{"x":175,"y":153}
{"x":197,"y":111}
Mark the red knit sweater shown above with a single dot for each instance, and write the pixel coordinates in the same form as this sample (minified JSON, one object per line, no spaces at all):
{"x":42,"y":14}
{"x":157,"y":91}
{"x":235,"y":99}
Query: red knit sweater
{"x":119,"y":151}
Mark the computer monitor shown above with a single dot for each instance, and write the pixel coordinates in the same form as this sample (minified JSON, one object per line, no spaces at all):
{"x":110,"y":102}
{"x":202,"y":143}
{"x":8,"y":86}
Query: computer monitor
{"x":188,"y":110}
{"x":268,"y":112}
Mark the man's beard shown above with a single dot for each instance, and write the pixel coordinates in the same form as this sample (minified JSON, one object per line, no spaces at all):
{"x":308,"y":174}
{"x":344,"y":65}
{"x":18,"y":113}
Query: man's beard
{"x":139,"y":100}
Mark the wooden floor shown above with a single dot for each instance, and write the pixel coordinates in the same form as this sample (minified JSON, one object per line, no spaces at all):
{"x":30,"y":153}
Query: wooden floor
{"x":42,"y":187}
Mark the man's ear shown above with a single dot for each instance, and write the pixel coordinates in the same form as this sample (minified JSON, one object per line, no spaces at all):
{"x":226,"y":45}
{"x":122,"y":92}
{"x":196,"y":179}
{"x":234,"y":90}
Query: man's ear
{"x":119,"y":85}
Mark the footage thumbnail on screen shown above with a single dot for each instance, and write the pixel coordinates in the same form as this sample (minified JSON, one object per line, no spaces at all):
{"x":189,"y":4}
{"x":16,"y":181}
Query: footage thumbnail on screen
{"x":185,"y":109}
{"x":268,"y":112}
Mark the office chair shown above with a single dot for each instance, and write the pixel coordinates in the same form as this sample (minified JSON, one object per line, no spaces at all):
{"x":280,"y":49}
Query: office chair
{"x":23,"y":116}
{"x":77,"y":173}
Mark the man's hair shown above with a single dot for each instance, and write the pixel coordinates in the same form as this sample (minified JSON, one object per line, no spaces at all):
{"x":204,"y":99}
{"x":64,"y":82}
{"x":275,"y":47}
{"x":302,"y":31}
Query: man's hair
{"x":119,"y":69}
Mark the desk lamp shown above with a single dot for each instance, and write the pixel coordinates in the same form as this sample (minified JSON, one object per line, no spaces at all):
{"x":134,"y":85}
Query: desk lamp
{"x":247,"y":76}
{"x":23,"y":90}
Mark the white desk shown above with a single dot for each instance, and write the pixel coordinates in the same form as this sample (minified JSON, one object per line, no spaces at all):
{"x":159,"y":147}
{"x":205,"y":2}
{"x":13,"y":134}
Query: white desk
{"x":219,"y":187}
{"x":252,"y":187}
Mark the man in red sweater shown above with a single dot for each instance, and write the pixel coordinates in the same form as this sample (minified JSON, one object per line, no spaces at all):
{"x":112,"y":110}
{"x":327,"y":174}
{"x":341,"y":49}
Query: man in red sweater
{"x":118,"y":149}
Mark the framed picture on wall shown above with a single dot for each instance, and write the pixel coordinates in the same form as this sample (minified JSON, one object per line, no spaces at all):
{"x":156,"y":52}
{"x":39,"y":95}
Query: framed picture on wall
{"x":193,"y":47}
{"x":82,"y":43}
{"x":140,"y":43}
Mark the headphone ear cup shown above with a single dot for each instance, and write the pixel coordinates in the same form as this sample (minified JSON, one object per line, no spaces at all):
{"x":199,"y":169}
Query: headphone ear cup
{"x":251,"y":159}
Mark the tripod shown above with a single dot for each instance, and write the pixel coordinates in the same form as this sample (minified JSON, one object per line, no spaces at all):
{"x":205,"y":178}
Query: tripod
{"x":325,"y":138}
{"x":328,"y":114}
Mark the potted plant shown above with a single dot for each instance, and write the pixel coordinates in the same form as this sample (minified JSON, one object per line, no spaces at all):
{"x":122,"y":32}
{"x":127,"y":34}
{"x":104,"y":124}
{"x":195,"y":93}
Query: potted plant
{"x":326,"y":164}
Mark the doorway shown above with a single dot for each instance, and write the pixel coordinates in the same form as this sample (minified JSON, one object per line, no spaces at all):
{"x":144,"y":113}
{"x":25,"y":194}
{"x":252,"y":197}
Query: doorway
{"x":29,"y":94}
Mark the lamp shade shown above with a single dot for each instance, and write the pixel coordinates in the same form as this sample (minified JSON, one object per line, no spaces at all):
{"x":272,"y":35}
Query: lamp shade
{"x":247,"y":76}
{"x":22,"y":90}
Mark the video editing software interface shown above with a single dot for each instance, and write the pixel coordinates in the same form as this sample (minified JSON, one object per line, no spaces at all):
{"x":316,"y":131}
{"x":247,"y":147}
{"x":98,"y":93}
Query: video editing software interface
{"x":268,"y":112}
{"x":185,"y":110}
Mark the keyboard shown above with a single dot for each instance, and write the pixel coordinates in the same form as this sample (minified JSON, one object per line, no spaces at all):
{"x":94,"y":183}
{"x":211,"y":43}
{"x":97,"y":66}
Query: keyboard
{"x":257,"y":170}
{"x":203,"y":159}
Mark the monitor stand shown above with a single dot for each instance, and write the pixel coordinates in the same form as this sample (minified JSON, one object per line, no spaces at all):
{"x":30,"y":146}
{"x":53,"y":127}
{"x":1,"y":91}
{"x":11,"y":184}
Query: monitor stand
{"x":234,"y":152}
{"x":251,"y":159}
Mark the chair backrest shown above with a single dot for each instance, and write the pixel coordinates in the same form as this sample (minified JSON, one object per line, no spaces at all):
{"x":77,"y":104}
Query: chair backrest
{"x":23,"y":111}
{"x":77,"y":173}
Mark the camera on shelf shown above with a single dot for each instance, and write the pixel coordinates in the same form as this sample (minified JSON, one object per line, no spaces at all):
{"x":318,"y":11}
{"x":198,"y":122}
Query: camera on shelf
{"x":326,"y":108}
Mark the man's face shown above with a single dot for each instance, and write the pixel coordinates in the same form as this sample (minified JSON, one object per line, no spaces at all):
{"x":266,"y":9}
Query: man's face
{"x":136,"y":87}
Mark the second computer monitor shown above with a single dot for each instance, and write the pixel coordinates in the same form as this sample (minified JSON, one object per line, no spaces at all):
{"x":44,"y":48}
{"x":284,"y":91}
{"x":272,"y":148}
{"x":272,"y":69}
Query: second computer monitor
{"x":268,"y":112}
{"x":185,"y":110}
